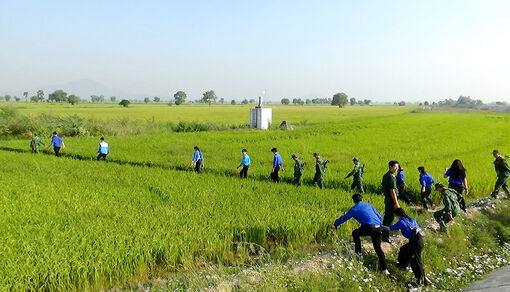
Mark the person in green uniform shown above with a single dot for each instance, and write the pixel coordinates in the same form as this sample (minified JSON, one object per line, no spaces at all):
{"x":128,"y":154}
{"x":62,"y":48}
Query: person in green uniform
{"x":390,"y":191}
{"x":451,"y":207}
{"x":298,"y":170}
{"x":320,"y":169}
{"x":35,"y":143}
{"x":357,"y":174}
{"x":503,"y":173}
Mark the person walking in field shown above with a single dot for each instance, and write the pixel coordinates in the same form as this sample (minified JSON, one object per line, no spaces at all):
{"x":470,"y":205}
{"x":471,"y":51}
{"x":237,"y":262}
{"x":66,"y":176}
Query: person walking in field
{"x":390,"y":191}
{"x":401,"y":186}
{"x":457,"y":181}
{"x":357,"y":174}
{"x":298,"y":170}
{"x":277,"y":165}
{"x":35,"y":143}
{"x":371,"y":225}
{"x":426,"y":182}
{"x":451,"y":207}
{"x":410,"y":253}
{"x":103,"y":150}
{"x":57,"y":143}
{"x":198,"y":159}
{"x":502,"y":172}
{"x":245,"y":163}
{"x":320,"y":169}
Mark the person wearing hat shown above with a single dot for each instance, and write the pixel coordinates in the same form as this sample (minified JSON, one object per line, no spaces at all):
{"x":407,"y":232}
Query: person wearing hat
{"x":357,"y":174}
{"x":245,"y":163}
{"x":320,"y":169}
{"x":298,"y":170}
{"x":390,"y":191}
{"x":103,"y":150}
{"x":277,"y":165}
{"x":503,"y":172}
{"x":451,"y":207}
{"x":371,"y":225}
{"x":35,"y":143}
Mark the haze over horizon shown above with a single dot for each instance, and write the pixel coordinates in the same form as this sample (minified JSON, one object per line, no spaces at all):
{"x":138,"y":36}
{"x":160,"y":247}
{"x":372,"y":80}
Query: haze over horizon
{"x":380,"y":50}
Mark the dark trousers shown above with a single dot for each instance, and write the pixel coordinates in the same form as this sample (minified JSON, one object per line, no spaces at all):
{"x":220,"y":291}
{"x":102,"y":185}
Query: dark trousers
{"x":357,"y":184}
{"x":389,"y":216}
{"x":460,"y":197}
{"x":375,"y":233}
{"x":198,"y":164}
{"x":297,"y":179}
{"x":410,"y":253}
{"x":274,"y":174}
{"x":244,"y":171}
{"x":425,"y":197}
{"x":402,"y":194}
{"x":501,"y":183}
{"x":103,"y":156}
{"x":57,"y":151}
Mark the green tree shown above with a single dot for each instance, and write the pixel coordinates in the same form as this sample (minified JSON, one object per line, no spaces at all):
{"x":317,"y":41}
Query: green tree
{"x":124,"y":103}
{"x":40,"y":95}
{"x":179,"y":97}
{"x":353,"y":101}
{"x":233,"y":101}
{"x":58,"y":96}
{"x":209,"y":97}
{"x":285,"y":101}
{"x":252,"y":100}
{"x":245,"y":101}
{"x":146,"y":100}
{"x":113,"y":98}
{"x":221,"y":100}
{"x":17,"y":99}
{"x":34,"y":98}
{"x":25,"y":95}
{"x":339,"y":99}
{"x":73,"y":99}
{"x":7,"y":97}
{"x":367,"y":101}
{"x":156,"y":99}
{"x":308,"y":101}
{"x":401,"y":103}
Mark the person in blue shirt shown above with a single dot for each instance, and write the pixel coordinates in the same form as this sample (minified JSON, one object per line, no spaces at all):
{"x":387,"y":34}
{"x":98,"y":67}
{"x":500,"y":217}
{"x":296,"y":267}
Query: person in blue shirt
{"x":198,"y":159}
{"x":57,"y":144}
{"x":457,"y":181}
{"x":277,"y":165}
{"x":426,"y":182}
{"x":410,"y":253}
{"x":245,"y":163}
{"x":371,"y":225}
{"x":103,"y":150}
{"x":401,"y":186}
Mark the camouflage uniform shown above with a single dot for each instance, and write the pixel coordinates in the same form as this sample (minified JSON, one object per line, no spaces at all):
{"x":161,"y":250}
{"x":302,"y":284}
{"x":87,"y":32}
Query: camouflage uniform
{"x":298,"y":172}
{"x":451,"y":207}
{"x":320,"y":169}
{"x":35,"y":143}
{"x":503,"y":172}
{"x":357,"y":174}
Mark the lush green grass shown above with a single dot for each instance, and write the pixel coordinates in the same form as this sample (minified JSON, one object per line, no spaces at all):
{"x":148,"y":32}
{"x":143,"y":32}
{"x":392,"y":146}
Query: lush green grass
{"x":81,"y":224}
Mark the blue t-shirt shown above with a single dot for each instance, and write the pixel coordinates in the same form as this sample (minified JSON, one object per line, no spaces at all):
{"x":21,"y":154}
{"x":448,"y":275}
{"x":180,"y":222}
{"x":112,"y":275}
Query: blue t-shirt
{"x":56,"y":141}
{"x":246,"y":160}
{"x":406,"y":226}
{"x":364,"y":213}
{"x":452,"y":180}
{"x":426,"y":180}
{"x":401,"y":177}
{"x":197,"y":155}
{"x":277,"y":160}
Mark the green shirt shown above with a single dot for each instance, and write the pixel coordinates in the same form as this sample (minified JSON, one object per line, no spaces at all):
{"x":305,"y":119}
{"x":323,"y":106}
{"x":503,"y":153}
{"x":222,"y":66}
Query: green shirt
{"x":451,"y":204}
{"x":36,"y":142}
{"x":389,"y":181}
{"x":501,"y":167}
{"x":298,"y":168}
{"x":357,"y":172}
{"x":320,"y":167}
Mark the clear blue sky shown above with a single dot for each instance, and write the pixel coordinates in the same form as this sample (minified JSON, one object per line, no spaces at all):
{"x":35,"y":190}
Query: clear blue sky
{"x":382,"y":50}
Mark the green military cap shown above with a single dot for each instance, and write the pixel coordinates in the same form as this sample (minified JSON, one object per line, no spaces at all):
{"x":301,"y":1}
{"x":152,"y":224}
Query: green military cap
{"x":439,"y":185}
{"x":355,"y":159}
{"x":294,"y":155}
{"x":315,"y":154}
{"x":495,"y":151}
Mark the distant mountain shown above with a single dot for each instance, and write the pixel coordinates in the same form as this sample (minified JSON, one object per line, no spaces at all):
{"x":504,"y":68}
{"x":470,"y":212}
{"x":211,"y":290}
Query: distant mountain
{"x":84,"y":88}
